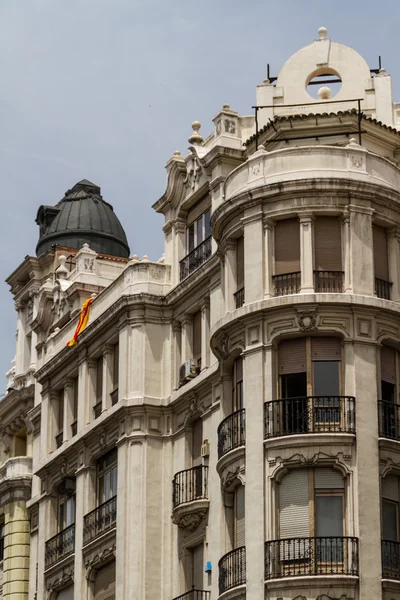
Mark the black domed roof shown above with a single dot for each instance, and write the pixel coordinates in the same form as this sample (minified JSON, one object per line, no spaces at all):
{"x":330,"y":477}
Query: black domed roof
{"x":82,"y":216}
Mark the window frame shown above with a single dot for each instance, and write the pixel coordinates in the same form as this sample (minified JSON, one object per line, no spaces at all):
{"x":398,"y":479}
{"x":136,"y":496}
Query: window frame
{"x":200,"y":225}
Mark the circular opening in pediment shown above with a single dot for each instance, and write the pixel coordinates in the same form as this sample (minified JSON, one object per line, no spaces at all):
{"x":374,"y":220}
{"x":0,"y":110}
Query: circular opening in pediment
{"x":323,"y":84}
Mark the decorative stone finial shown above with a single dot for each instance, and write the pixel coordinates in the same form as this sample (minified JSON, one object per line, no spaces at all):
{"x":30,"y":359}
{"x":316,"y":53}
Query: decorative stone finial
{"x":324,"y":93}
{"x":323,"y":32}
{"x":226,"y":107}
{"x":353,"y":142}
{"x":195,"y":138}
{"x":134,"y":258}
{"x":177,"y":153}
{"x":145,"y":258}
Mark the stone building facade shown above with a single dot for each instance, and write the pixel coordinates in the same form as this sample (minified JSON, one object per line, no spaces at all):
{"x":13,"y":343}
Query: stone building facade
{"x":227,"y":426}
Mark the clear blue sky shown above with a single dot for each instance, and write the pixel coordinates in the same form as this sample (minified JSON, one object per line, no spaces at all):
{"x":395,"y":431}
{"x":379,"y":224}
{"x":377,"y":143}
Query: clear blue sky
{"x":107,"y":90}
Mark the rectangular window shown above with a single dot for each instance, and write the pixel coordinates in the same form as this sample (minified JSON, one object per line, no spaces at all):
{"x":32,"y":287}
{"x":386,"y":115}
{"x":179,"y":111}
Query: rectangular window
{"x":197,"y":338}
{"x":115,"y":373}
{"x":287,"y":246}
{"x":198,"y":231}
{"x":99,"y":379}
{"x":107,"y":476}
{"x":381,"y":262}
{"x":240,"y":517}
{"x":328,"y":244}
{"x":240,"y":263}
{"x":66,"y":511}
{"x":329,"y":527}
{"x":390,"y":521}
{"x":197,"y":567}
{"x":238,"y":384}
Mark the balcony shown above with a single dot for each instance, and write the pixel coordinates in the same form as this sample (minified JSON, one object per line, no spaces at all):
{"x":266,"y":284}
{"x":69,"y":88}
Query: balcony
{"x":97,"y":409}
{"x":18,"y":467}
{"x":190,"y":497}
{"x":305,"y":557}
{"x":383,"y":288}
{"x":101,"y":519}
{"x":389,"y":420}
{"x":309,"y":414}
{"x":239,"y":298}
{"x":287,"y":283}
{"x":232,"y":570}
{"x":328,"y":282}
{"x":195,"y":259}
{"x":60,"y":546}
{"x":194,"y":595}
{"x":390,"y":560}
{"x":232,"y":432}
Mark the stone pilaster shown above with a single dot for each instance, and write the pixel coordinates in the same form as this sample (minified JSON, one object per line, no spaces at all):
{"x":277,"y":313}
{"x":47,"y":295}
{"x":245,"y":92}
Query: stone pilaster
{"x":253,"y":255}
{"x":205,"y":333}
{"x":230,"y":275}
{"x":268,"y":237}
{"x":16,"y":551}
{"x":393,"y":236}
{"x":361,"y":250}
{"x":306,"y":253}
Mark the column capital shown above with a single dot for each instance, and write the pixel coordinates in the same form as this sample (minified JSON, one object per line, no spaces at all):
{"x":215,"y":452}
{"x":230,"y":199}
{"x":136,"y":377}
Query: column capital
{"x":205,"y":303}
{"x":306,"y":217}
{"x":186,"y":319}
{"x":393,"y":232}
{"x":268,"y":223}
{"x":176,"y":326}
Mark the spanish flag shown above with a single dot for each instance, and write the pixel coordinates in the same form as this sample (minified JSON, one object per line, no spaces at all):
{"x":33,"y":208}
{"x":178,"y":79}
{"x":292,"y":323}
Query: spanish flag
{"x":83,"y":319}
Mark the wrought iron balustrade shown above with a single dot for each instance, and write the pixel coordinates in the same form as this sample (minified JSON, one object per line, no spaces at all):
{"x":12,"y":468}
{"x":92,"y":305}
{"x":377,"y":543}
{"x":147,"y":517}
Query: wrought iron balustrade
{"x":194,"y":595}
{"x":101,"y":519}
{"x":60,"y":546}
{"x":74,"y":428}
{"x":97,"y":409}
{"x":59,"y":439}
{"x":389,"y":419}
{"x":239,"y":298}
{"x":114,"y":397}
{"x":287,"y":283}
{"x":383,"y":288}
{"x":390,"y":559}
{"x":195,"y":258}
{"x":295,"y":557}
{"x":232,"y":432}
{"x":328,"y":282}
{"x":232,"y":569}
{"x":189,"y":485}
{"x":309,"y":414}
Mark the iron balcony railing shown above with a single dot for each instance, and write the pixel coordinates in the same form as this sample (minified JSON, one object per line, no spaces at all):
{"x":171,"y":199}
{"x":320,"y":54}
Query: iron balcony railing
{"x":307,"y":556}
{"x":101,"y":519}
{"x":97,"y":409}
{"x":60,"y":546}
{"x":239,"y":298}
{"x":309,"y":414}
{"x":232,"y":432}
{"x":328,"y":281}
{"x":390,"y":559}
{"x":74,"y":428}
{"x":232,"y":569}
{"x":59,"y":439}
{"x":189,"y":485}
{"x":114,"y":397}
{"x":287,"y":283}
{"x":389,"y":419}
{"x":383,"y":288}
{"x":195,"y":258}
{"x":194,"y":595}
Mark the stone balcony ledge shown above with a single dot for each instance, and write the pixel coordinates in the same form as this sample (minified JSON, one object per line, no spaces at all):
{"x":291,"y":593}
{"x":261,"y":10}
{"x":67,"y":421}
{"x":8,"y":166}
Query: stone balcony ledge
{"x":15,"y":468}
{"x":15,"y":479}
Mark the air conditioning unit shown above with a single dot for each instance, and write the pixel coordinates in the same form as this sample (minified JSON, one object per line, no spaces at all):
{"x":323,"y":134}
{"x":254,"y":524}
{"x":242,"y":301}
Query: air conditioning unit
{"x":187,"y":370}
{"x":205,"y":448}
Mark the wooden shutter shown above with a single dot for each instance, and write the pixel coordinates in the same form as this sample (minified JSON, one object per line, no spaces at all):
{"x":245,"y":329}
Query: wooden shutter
{"x":390,"y":488}
{"x":240,"y":263}
{"x":104,"y":585}
{"x":292,"y":356}
{"x":326,"y":348}
{"x":66,"y":593}
{"x":197,"y":567}
{"x":240,"y":522}
{"x":197,"y":210}
{"x":380,"y":253}
{"x":99,"y":378}
{"x":388,"y":364}
{"x":328,"y":244}
{"x":287,"y":246}
{"x":328,"y":479}
{"x":197,"y":335}
{"x":294,"y":516}
{"x":197,"y":440}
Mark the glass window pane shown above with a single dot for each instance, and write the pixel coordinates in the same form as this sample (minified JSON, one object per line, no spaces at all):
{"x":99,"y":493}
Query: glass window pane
{"x":389,"y":521}
{"x":387,"y":391}
{"x":191,"y":238}
{"x":207,"y":230}
{"x":329,"y":516}
{"x":326,"y":378}
{"x":199,"y":231}
{"x":294,"y":385}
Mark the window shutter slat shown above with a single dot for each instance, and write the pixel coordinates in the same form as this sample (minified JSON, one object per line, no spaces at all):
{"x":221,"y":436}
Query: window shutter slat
{"x":66,"y":593}
{"x":292,"y":356}
{"x":287,"y":246}
{"x":388,"y":364}
{"x":104,"y":585}
{"x":240,"y":517}
{"x":328,"y":244}
{"x":294,"y":517}
{"x":328,"y":479}
{"x":197,"y":565}
{"x":380,"y":253}
{"x":326,"y":348}
{"x":390,"y":488}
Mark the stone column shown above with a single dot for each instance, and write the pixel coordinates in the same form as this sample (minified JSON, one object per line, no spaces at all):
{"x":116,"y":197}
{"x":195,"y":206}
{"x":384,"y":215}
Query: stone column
{"x":91,"y":388}
{"x":368,"y":494}
{"x":346,"y":254}
{"x":85,"y":497}
{"x":253,"y":255}
{"x":393,"y":236}
{"x":83,"y":387}
{"x":68,"y":409}
{"x":253,"y":388}
{"x":178,"y":233}
{"x":123,"y":341}
{"x":205,"y":333}
{"x":187,"y":337}
{"x":268,"y":236}
{"x":16,"y":551}
{"x":361,"y":250}
{"x":44,"y":423}
{"x":306,"y":253}
{"x":230,"y":275}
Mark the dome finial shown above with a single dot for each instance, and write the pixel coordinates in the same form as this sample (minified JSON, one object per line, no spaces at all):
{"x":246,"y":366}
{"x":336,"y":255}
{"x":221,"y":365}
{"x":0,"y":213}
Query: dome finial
{"x":323,"y":32}
{"x":195,"y":138}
